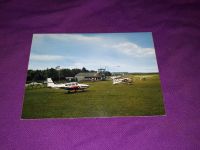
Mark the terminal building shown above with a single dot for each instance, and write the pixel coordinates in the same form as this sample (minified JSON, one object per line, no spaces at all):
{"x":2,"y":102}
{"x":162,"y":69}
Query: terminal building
{"x":91,"y":76}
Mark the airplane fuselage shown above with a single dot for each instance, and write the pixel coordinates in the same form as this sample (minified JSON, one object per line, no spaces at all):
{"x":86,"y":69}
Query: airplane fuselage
{"x":72,"y":86}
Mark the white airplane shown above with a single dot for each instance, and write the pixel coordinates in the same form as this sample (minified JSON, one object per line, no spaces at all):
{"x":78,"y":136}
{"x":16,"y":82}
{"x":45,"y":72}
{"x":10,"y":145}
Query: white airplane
{"x":33,"y":83}
{"x":71,"y":86}
{"x":120,"y":79}
{"x":115,"y":77}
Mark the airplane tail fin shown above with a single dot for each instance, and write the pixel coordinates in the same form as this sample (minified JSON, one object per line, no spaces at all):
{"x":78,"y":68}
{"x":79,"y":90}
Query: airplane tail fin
{"x":50,"y":82}
{"x":115,"y":81}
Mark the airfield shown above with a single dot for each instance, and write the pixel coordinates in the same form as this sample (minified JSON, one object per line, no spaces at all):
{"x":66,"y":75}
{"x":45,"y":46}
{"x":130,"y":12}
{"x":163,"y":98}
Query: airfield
{"x":102,"y":99}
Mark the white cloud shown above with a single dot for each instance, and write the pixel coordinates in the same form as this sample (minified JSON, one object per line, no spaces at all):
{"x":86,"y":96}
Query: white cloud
{"x":133,"y":49}
{"x":37,"y":57}
{"x":84,"y":38}
{"x":66,"y":37}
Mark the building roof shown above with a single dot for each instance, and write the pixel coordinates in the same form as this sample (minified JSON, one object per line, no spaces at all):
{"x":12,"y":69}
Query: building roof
{"x":88,"y":74}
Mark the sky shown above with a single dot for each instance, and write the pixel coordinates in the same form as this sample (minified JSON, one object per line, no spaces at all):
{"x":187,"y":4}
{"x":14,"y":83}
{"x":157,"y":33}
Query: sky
{"x":117,"y":52}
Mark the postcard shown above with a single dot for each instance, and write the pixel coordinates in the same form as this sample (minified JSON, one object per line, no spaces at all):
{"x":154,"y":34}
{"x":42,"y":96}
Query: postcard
{"x":92,"y":75}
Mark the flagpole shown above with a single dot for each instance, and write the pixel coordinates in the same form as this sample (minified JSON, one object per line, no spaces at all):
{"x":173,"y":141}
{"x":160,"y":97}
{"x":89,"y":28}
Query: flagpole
{"x":58,"y":68}
{"x":59,"y":75}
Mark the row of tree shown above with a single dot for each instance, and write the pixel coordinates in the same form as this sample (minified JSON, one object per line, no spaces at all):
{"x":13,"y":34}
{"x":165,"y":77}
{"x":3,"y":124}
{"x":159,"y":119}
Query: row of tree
{"x":42,"y":75}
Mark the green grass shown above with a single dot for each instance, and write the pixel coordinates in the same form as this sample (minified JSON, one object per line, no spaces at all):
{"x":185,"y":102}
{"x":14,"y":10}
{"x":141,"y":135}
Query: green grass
{"x":102,"y":99}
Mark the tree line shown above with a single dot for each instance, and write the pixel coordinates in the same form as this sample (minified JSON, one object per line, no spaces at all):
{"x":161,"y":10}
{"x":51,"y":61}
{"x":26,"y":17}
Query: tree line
{"x":42,"y":75}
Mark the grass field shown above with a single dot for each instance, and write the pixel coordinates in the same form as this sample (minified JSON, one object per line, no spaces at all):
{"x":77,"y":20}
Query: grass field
{"x":101,"y":99}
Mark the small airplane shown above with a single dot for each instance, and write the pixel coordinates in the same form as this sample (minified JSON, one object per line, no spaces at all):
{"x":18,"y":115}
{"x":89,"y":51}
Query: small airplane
{"x":120,"y":79}
{"x":71,"y":86}
{"x":33,"y":84}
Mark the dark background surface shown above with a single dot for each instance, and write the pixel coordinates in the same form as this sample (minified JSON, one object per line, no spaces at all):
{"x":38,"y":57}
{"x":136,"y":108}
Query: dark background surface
{"x":176,"y":32}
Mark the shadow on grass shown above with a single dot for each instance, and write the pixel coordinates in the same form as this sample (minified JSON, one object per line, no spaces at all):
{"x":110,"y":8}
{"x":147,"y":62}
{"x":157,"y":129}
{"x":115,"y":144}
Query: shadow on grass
{"x":75,"y":92}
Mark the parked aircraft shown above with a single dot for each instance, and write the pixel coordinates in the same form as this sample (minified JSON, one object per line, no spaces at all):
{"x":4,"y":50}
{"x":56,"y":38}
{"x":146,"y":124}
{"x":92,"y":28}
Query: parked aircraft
{"x":71,"y":86}
{"x":33,"y":84}
{"x":120,"y":79}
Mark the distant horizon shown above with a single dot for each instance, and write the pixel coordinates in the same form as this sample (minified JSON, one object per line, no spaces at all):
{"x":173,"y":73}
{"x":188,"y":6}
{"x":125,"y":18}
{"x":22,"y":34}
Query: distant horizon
{"x":117,"y":52}
{"x":91,"y":70}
